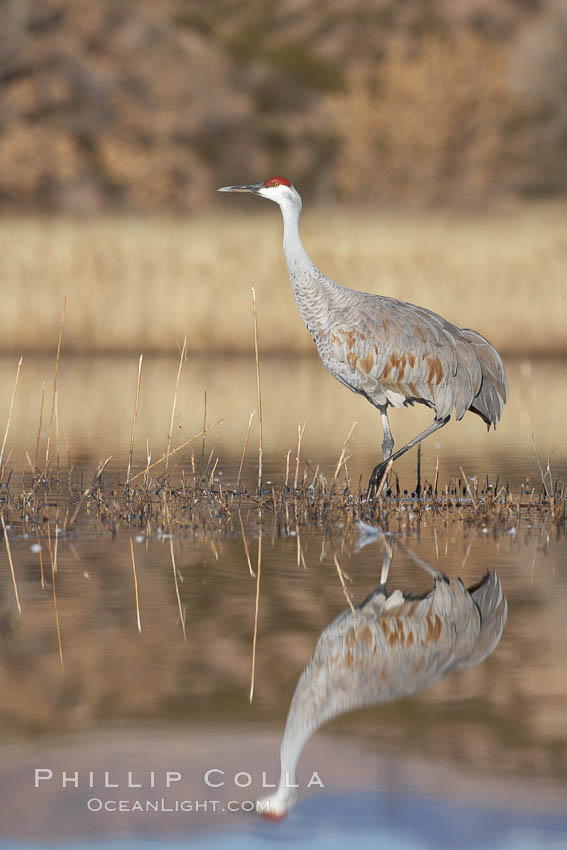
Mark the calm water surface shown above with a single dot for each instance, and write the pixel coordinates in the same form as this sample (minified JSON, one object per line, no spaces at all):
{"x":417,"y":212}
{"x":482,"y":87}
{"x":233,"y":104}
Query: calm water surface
{"x":477,"y":760}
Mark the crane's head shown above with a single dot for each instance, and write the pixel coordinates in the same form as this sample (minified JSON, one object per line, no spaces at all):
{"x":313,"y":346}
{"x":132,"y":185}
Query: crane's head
{"x":276,"y":189}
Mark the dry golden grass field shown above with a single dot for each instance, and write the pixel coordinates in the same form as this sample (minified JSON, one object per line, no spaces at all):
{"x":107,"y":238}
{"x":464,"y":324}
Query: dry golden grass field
{"x":143,"y":284}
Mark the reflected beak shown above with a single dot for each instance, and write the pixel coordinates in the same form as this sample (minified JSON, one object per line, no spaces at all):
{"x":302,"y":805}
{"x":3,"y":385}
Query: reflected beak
{"x":254,"y":188}
{"x":273,"y":816}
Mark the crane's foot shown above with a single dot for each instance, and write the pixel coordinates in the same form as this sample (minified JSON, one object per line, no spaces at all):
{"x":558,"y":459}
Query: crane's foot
{"x":377,"y":477}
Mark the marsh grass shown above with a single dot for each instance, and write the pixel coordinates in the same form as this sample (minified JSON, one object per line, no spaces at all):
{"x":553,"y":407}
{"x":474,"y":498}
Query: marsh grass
{"x":184,"y":505}
{"x":141,"y":284}
{"x":172,"y":501}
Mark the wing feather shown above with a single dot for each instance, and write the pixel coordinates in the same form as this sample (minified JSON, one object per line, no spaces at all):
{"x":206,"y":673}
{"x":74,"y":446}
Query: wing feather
{"x":394,"y":352}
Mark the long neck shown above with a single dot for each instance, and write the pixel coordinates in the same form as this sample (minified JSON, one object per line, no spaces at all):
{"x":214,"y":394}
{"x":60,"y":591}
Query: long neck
{"x":312,"y":290}
{"x":297,"y":733}
{"x":314,"y":701}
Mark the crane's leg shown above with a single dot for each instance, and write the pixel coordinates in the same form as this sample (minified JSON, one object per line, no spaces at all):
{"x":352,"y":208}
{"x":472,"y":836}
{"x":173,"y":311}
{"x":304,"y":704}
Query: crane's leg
{"x":388,"y":441}
{"x":378,"y":473}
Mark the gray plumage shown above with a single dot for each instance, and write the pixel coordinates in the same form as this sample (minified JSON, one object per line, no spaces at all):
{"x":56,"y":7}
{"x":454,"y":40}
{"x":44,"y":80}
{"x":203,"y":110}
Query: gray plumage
{"x":389,"y":647}
{"x":391,"y":352}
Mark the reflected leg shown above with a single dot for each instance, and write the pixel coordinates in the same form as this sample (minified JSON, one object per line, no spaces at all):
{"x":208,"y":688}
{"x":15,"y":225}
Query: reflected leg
{"x":381,"y":589}
{"x":386,"y":561}
{"x":438,"y":575}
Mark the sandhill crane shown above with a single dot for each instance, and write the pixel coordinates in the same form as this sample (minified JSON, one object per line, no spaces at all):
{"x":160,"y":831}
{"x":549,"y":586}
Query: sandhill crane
{"x":391,"y":352}
{"x":390,"y":646}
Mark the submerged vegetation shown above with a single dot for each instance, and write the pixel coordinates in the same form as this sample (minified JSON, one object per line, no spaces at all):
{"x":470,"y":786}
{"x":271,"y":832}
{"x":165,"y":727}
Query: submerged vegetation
{"x":194,"y":504}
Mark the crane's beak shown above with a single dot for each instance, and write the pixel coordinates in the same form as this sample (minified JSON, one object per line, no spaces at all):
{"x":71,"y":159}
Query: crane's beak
{"x":254,"y":188}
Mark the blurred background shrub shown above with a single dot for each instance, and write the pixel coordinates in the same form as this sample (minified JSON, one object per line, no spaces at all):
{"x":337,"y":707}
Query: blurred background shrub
{"x":150,"y":106}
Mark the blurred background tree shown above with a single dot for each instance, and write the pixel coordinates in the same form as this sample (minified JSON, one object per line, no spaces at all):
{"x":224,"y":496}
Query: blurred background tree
{"x":150,"y":106}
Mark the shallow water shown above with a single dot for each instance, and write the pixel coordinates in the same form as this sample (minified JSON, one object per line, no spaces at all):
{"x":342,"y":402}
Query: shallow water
{"x":95,"y":401}
{"x":478,"y":759}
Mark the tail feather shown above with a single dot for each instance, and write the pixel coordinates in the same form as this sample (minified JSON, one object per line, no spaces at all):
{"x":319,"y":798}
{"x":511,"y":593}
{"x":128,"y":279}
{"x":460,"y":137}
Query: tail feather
{"x":493,"y":609}
{"x":493,"y":393}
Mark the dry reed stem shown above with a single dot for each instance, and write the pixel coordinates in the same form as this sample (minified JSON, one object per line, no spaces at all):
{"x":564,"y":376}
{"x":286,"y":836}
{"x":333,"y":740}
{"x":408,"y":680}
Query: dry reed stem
{"x":11,"y":564}
{"x":10,"y":413}
{"x":212,"y":475}
{"x":246,"y":550}
{"x":57,"y":428}
{"x":204,"y":426}
{"x":258,"y":390}
{"x":300,"y":431}
{"x":316,"y":473}
{"x":469,"y":491}
{"x":300,"y":557}
{"x":134,"y":418}
{"x":101,"y":469}
{"x":343,"y":585}
{"x":258,"y":574}
{"x":182,"y":358}
{"x":181,"y":612}
{"x":55,"y":374}
{"x":69,"y":463}
{"x":467,"y":553}
{"x":87,"y":492}
{"x":78,"y":508}
{"x":547,"y":474}
{"x":39,"y":425}
{"x":53,"y":558}
{"x":178,"y":449}
{"x":135,"y":586}
{"x":42,"y":582}
{"x":344,"y":450}
{"x":287,"y":468}
{"x":148,"y":461}
{"x":244,"y":449}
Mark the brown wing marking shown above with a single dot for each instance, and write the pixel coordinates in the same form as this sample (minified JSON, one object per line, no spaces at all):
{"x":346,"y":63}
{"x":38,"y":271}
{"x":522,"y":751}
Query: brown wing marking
{"x":435,"y":370}
{"x":365,"y":364}
{"x":434,"y":628}
{"x":403,"y":363}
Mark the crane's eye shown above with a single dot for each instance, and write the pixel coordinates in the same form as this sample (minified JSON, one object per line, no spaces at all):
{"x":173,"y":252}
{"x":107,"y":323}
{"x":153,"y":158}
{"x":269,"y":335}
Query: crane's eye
{"x":275,"y":183}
